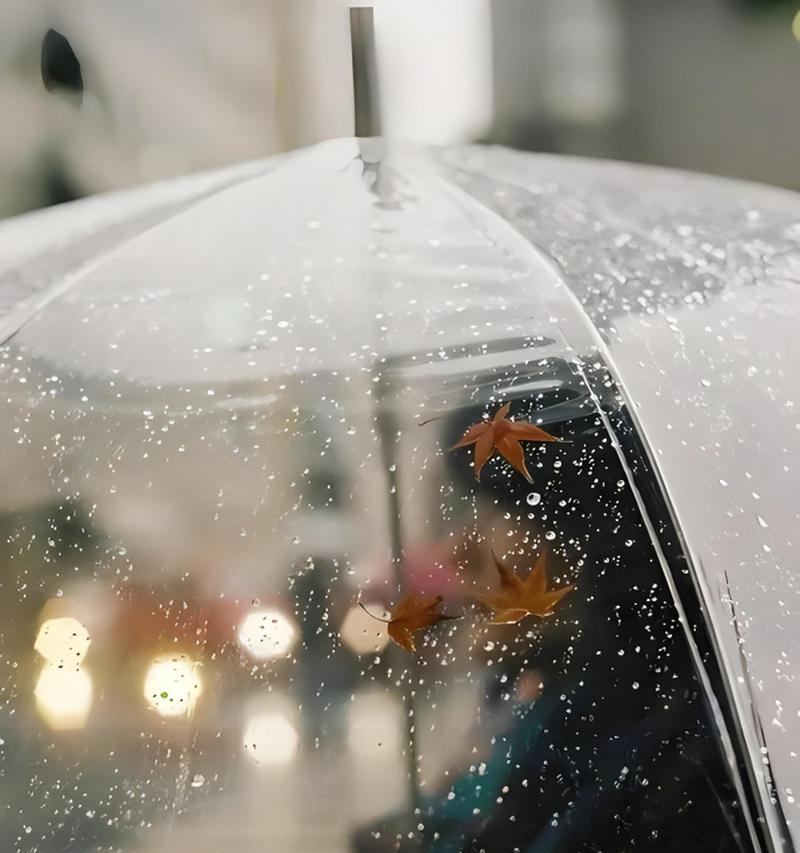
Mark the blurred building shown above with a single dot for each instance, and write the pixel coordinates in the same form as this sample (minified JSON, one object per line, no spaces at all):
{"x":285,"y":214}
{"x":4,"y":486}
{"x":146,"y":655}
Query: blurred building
{"x":167,"y":89}
{"x":194,"y":84}
{"x":709,"y":86}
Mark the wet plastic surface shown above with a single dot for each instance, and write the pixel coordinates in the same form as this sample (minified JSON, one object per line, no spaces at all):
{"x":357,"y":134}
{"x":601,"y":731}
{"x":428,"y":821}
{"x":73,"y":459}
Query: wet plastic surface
{"x":212,"y":425}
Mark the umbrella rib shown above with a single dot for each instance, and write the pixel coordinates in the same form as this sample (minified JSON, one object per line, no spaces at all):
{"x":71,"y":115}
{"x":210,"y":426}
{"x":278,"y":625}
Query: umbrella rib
{"x":79,"y":259}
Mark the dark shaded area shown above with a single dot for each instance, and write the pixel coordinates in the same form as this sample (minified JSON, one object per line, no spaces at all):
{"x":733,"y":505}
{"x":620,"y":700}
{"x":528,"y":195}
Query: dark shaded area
{"x":323,"y":700}
{"x":61,"y":69}
{"x":620,"y":750}
{"x":58,"y":187}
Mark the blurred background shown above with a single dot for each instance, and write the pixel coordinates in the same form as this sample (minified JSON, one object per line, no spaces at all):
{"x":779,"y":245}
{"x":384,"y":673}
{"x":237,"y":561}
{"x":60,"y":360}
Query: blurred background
{"x":102,"y":94}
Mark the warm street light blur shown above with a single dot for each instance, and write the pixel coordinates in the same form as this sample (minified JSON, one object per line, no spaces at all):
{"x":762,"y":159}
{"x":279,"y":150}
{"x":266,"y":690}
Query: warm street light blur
{"x":63,"y":641}
{"x":172,"y":685}
{"x":267,"y":634}
{"x":361,"y":633}
{"x":269,"y":738}
{"x":64,"y":697}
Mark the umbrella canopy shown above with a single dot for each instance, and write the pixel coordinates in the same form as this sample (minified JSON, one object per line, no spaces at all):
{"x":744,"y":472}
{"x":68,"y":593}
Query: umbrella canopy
{"x":220,"y":293}
{"x":692,"y":283}
{"x":235,"y":287}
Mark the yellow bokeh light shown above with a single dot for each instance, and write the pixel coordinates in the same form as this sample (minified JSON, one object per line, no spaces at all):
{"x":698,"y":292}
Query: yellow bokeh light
{"x":267,"y":634}
{"x":796,"y":25}
{"x":270,"y":738}
{"x":63,"y":642}
{"x":63,"y":697}
{"x":172,"y":685}
{"x":361,"y":633}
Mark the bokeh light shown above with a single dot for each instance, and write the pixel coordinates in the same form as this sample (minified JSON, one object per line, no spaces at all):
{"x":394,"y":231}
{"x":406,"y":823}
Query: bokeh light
{"x":267,"y":634}
{"x":172,"y":685}
{"x":270,"y":738}
{"x":361,"y":633}
{"x":63,"y":697}
{"x":63,"y":642}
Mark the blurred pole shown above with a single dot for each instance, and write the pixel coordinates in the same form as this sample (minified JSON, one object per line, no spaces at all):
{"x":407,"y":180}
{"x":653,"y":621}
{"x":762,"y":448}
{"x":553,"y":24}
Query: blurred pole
{"x":365,"y":73}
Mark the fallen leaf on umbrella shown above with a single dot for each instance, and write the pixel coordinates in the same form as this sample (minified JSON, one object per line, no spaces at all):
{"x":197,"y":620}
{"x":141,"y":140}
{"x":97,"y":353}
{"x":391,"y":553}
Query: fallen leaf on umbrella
{"x":412,"y":614}
{"x":504,"y":436}
{"x":519,"y":598}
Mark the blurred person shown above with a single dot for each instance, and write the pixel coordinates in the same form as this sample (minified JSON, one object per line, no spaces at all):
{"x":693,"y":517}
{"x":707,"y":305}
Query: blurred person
{"x":325,"y":674}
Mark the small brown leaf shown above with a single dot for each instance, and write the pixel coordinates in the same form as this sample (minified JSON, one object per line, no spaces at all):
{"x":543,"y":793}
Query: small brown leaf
{"x":504,"y":436}
{"x":412,"y":614}
{"x":519,"y":598}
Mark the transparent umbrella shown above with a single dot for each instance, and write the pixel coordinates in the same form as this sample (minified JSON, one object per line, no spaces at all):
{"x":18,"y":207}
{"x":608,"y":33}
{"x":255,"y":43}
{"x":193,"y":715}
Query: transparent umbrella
{"x":228,"y":403}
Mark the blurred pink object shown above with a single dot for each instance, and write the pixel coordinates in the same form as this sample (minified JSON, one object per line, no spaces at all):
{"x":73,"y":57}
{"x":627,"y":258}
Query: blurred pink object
{"x":430,"y":568}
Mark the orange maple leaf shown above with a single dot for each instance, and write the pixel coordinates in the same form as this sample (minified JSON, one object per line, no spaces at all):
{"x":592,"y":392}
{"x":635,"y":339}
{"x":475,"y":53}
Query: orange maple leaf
{"x":519,"y":598}
{"x":504,"y":436}
{"x":412,"y":614}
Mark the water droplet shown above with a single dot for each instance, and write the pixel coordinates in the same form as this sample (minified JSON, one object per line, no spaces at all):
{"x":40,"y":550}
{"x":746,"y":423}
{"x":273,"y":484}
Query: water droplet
{"x":533,"y":498}
{"x":550,"y":535}
{"x":761,"y":521}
